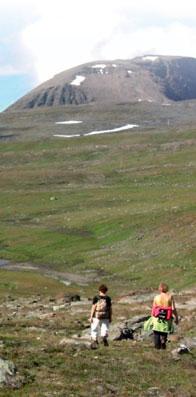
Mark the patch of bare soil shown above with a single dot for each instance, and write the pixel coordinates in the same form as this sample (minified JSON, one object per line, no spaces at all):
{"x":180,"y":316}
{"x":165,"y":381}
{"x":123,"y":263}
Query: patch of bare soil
{"x":64,"y":277}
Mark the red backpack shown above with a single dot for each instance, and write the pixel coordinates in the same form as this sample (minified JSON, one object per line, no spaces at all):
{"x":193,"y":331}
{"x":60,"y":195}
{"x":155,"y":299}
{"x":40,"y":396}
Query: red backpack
{"x":163,"y":313}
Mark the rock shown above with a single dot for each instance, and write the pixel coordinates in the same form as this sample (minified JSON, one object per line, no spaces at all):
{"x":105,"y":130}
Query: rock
{"x":125,"y":334}
{"x":100,"y":389}
{"x":154,"y":392}
{"x":134,"y":299}
{"x":137,"y":321}
{"x":10,"y":298}
{"x":52,"y":299}
{"x":75,"y":298}
{"x":67,"y":298}
{"x":182,"y":349}
{"x":188,"y":305}
{"x":134,"y":325}
{"x":175,"y":355}
{"x":129,"y":327}
{"x":46,"y":315}
{"x":190,"y":342}
{"x":59,"y":307}
{"x":7,"y":372}
{"x":34,"y":301}
{"x":112,"y":389}
{"x":3,"y":262}
{"x":72,"y":298}
{"x":114,"y":329}
{"x":137,"y":325}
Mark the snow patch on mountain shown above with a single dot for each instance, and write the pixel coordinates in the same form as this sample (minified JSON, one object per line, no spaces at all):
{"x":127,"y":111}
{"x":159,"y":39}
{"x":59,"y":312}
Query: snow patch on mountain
{"x":150,"y":58}
{"x":125,"y":127}
{"x":99,"y":66}
{"x":69,"y":122}
{"x":78,"y":80}
{"x":66,"y":136}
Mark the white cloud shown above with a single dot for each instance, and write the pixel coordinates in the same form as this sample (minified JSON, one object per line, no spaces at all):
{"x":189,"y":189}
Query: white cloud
{"x":66,"y":35}
{"x":15,"y":59}
{"x":50,"y":37}
{"x":175,"y":39}
{"x":8,"y":70}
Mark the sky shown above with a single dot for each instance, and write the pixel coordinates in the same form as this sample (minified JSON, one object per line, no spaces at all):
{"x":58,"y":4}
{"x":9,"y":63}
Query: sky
{"x":40,"y":38}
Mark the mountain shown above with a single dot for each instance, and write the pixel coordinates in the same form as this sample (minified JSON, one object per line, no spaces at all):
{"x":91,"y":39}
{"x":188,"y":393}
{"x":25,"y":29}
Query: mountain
{"x":151,"y":78}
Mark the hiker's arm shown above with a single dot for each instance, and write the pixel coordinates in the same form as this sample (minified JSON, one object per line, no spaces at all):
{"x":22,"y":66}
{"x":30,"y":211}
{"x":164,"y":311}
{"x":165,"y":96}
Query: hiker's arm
{"x":174,"y":310}
{"x":92,"y":312}
{"x":153,"y":306}
{"x":110,"y":314}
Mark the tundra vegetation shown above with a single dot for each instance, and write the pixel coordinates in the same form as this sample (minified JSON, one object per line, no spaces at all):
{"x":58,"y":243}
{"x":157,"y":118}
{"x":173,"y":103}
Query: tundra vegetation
{"x":114,"y":208}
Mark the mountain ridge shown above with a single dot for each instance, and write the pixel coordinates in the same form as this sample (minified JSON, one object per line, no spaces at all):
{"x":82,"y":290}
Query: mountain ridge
{"x":152,"y":78}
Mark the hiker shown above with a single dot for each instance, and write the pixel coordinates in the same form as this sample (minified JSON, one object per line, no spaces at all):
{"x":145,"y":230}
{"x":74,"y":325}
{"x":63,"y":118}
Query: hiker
{"x":163,"y":310}
{"x":100,"y":317}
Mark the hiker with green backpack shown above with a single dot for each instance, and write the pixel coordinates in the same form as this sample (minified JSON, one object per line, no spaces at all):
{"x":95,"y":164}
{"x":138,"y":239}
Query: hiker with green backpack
{"x":100,"y":317}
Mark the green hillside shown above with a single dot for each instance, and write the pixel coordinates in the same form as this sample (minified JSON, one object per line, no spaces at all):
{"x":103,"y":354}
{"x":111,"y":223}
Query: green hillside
{"x":123,"y":203}
{"x":115,"y":208}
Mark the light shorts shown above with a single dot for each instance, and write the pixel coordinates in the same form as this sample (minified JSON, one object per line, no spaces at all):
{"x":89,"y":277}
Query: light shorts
{"x":101,"y":325}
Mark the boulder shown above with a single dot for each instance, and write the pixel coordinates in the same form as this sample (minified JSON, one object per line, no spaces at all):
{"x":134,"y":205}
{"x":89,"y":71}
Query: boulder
{"x":72,"y":298}
{"x":190,"y":342}
{"x":7,"y":368}
{"x":125,"y":334}
{"x":182,"y":349}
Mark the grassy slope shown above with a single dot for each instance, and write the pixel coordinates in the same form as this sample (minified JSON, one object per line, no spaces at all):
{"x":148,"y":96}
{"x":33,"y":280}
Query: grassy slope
{"x":123,"y":204}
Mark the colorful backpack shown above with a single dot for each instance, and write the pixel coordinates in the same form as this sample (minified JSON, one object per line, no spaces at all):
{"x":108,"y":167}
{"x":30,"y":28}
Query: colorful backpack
{"x":163,"y":313}
{"x":101,"y":311}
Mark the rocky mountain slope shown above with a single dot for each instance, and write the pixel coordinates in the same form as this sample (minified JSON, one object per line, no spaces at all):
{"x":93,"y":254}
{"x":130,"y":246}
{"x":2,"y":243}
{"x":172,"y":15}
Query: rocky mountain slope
{"x":148,"y":78}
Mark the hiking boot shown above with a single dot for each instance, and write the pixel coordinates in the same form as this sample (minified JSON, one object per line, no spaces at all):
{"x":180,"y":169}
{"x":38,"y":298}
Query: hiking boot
{"x":105,"y":341}
{"x":94,"y":344}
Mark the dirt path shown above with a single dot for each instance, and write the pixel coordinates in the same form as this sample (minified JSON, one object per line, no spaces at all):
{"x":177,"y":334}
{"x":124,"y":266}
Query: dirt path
{"x":64,"y":277}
